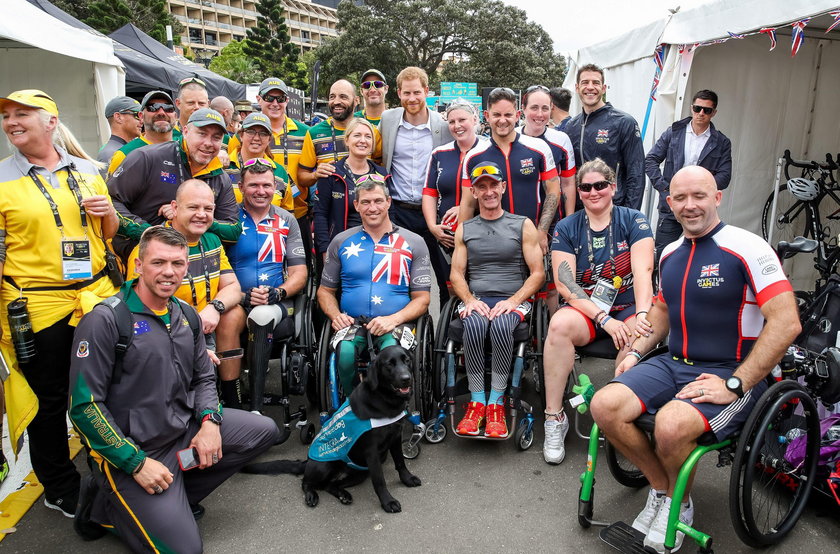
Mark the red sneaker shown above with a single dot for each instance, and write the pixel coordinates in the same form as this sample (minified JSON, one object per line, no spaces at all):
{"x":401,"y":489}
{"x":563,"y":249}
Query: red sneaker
{"x":472,"y":419}
{"x":496,"y":424}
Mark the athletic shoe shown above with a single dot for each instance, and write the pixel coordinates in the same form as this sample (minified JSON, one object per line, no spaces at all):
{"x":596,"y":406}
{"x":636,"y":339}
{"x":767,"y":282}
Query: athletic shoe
{"x":496,"y":425}
{"x":472,"y":419}
{"x":555,"y":433}
{"x":197,"y":511}
{"x":4,"y":469}
{"x":84,"y":527}
{"x":655,"y":538}
{"x":66,"y":505}
{"x":645,"y":518}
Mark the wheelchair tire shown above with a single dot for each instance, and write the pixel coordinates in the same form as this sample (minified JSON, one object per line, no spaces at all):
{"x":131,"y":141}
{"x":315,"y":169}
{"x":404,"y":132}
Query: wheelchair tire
{"x":439,"y":356}
{"x":766,"y":493}
{"x":307,"y":433}
{"x":623,"y":469}
{"x":423,"y":356}
{"x":410,"y":452}
{"x":539,"y":331}
{"x":524,"y":438}
{"x":325,"y":403}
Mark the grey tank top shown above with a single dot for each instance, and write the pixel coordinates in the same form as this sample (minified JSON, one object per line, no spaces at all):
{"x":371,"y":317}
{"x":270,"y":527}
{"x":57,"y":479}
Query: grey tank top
{"x":495,"y":264}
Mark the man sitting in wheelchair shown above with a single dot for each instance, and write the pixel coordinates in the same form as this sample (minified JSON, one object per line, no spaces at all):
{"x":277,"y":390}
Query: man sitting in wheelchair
{"x":270,"y":264}
{"x":384,"y":274}
{"x":731,"y":316}
{"x":496,"y":251}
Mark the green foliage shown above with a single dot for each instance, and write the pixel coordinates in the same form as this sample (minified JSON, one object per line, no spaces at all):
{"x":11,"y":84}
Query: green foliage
{"x":269,"y":46}
{"x":106,"y":16}
{"x":483,"y":41}
{"x":234,"y":64}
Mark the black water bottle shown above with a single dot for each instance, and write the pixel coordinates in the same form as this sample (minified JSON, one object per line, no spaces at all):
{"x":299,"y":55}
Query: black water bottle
{"x":21,"y":329}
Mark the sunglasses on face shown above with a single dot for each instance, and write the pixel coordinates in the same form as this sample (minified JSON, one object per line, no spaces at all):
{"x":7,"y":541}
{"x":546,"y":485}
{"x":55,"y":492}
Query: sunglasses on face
{"x":135,"y":115}
{"x":188,"y":80}
{"x":706,"y":110}
{"x":375,"y":84}
{"x":485,"y":170}
{"x":168,"y":108}
{"x":375,"y":177}
{"x":587,"y":187}
{"x":280,"y":98}
{"x":261,"y":161}
{"x":262,"y":133}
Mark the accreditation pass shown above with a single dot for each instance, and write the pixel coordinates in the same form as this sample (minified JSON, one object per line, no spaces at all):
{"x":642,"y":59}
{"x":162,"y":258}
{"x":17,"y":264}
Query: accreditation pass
{"x":75,"y":259}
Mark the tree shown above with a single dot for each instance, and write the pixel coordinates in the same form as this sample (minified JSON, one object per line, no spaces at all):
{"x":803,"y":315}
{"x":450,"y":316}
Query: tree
{"x":269,"y":46}
{"x":234,"y":64}
{"x":106,"y":16}
{"x":480,"y":41}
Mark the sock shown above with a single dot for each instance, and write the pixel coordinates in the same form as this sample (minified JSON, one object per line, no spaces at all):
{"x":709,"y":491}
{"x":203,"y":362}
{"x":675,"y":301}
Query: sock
{"x":660,"y":493}
{"x":231,"y":396}
{"x":478,"y":397}
{"x":495,"y":397}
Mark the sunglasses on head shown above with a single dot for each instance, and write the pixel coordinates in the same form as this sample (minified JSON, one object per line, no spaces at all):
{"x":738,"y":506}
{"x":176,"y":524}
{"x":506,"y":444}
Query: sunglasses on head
{"x":259,"y":161}
{"x":599,"y":185}
{"x":532,"y":88}
{"x":706,"y":110}
{"x":269,"y":98}
{"x":262,"y":133}
{"x":375,"y":177}
{"x":375,"y":84}
{"x":168,"y":108}
{"x":189,"y":80}
{"x":485,"y":170}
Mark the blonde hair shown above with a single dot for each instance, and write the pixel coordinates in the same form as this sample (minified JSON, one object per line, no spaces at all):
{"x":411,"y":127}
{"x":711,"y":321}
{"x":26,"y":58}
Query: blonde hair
{"x":357,"y":121}
{"x":596,"y":166}
{"x":412,"y":72}
{"x":64,"y":138}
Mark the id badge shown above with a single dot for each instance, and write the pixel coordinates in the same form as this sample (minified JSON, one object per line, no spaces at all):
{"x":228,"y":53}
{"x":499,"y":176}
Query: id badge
{"x":603,"y":295}
{"x":75,"y":259}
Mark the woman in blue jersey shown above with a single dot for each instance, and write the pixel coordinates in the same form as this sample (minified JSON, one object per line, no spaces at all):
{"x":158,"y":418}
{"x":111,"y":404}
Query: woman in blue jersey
{"x":255,"y":143}
{"x":603,"y":262}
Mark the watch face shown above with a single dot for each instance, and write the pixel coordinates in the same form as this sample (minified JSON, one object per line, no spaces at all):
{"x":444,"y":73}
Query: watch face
{"x":733,"y":383}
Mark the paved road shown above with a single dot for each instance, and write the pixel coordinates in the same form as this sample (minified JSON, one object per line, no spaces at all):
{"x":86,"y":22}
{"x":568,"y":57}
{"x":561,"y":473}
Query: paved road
{"x":475,"y":496}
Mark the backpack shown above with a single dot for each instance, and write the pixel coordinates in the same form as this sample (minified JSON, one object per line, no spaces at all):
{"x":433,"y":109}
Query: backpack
{"x":125,"y":329}
{"x":821,"y":318}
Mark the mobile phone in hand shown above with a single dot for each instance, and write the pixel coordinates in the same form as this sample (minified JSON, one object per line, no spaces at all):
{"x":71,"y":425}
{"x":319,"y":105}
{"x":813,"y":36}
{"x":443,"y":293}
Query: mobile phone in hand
{"x":188,"y":459}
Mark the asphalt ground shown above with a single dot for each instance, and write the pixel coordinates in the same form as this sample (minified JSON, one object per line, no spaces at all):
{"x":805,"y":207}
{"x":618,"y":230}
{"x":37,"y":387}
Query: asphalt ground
{"x":476,"y":495}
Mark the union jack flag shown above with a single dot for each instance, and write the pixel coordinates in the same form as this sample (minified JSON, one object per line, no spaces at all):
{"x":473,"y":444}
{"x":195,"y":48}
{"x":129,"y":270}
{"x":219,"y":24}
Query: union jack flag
{"x":623,"y":245}
{"x":395,"y":265}
{"x":836,"y":16}
{"x":273,"y":248}
{"x":771,"y":34}
{"x":712,"y":270}
{"x":659,"y":60}
{"x":734,"y":35}
{"x":798,"y":36}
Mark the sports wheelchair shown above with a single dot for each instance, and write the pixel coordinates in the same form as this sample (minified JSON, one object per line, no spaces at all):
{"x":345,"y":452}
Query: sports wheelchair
{"x":529,"y":338}
{"x":773,"y":459}
{"x":330,"y":394}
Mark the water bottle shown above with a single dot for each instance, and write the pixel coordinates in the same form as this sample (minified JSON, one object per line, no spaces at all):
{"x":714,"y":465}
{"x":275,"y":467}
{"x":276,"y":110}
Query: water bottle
{"x":791,"y":435}
{"x":22,"y":336}
{"x":832,"y":435}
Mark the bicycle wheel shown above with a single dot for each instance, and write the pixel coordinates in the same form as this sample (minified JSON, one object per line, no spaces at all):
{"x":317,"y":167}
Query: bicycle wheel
{"x":769,"y":487}
{"x":791,"y":219}
{"x":829,"y":209}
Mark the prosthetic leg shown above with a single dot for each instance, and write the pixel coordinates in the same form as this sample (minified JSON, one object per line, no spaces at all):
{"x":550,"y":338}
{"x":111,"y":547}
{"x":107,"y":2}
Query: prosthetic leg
{"x":260,"y":342}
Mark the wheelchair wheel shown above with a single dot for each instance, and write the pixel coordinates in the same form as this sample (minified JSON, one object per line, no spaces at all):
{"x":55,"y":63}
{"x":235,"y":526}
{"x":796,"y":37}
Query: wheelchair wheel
{"x":769,"y":488}
{"x":423,"y":356}
{"x":307,"y":339}
{"x":435,"y":433}
{"x":325,"y":402}
{"x":524,"y":437}
{"x":539,"y":331}
{"x":623,"y":469}
{"x":307,"y":433}
{"x":410,"y":452}
{"x":439,"y":357}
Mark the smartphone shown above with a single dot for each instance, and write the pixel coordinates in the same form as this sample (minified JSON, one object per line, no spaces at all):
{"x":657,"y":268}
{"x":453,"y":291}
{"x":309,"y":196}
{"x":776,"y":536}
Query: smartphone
{"x":188,"y":459}
{"x":230,"y":354}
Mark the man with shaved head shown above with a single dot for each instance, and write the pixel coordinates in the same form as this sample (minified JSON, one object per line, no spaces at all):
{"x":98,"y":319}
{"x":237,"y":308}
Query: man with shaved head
{"x":731,"y":315}
{"x":224,"y":107}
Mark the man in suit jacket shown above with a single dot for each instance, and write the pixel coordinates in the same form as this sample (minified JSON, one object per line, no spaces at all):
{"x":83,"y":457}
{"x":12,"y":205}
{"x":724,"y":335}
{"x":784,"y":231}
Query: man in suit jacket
{"x":690,"y":141}
{"x":409,"y":134}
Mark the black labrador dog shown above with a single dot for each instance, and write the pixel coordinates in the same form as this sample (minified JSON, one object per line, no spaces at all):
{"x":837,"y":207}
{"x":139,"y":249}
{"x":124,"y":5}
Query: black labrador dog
{"x":357,"y":439}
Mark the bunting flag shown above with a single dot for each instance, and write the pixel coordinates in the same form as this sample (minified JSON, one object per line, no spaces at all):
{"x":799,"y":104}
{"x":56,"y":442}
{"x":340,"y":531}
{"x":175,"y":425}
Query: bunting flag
{"x":836,"y":16}
{"x":771,"y":34}
{"x":733,"y":35}
{"x":659,"y":60}
{"x":798,"y":36}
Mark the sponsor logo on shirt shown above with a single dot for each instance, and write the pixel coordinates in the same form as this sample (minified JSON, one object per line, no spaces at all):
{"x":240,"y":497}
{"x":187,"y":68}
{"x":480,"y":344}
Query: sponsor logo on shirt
{"x":709,"y":276}
{"x":84,"y":349}
{"x":526,"y":166}
{"x":599,"y":242}
{"x":602,"y":136}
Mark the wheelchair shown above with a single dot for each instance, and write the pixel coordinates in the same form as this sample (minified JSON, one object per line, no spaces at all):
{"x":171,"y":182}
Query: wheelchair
{"x":292,"y":342}
{"x":773,"y":459}
{"x":529,"y":337}
{"x":330,"y":394}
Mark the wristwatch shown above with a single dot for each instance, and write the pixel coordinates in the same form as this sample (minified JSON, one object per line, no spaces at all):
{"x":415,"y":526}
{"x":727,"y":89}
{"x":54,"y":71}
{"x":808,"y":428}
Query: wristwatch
{"x":213,"y":417}
{"x":282,"y":293}
{"x":734,"y":384}
{"x":218,"y":305}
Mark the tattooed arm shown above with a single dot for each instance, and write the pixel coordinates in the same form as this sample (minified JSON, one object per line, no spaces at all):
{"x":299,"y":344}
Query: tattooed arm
{"x":564,"y":278}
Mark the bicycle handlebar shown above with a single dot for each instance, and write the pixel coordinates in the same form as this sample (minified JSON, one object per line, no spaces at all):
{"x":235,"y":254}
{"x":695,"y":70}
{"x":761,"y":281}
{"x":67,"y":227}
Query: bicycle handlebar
{"x":829,"y":165}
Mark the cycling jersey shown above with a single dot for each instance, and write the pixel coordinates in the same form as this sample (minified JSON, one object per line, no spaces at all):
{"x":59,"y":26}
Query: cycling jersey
{"x":561,"y":149}
{"x":609,"y":247}
{"x":714,"y":287}
{"x":119,"y":156}
{"x":324,"y":143}
{"x":376,"y":279}
{"x":266,"y":248}
{"x":372,"y":120}
{"x":443,"y":178}
{"x":528,"y":164}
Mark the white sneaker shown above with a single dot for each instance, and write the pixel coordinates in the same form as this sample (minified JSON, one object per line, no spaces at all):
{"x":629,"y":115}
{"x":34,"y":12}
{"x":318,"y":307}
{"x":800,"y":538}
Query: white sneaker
{"x":655,"y":538}
{"x":555,"y":433}
{"x":645,"y":518}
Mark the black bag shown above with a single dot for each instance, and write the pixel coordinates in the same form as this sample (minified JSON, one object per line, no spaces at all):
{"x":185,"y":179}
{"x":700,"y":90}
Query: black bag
{"x":821,"y":318}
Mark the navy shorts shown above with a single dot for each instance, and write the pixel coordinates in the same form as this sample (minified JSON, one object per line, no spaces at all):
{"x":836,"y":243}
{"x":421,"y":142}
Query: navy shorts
{"x":621,"y":314}
{"x":656,"y":381}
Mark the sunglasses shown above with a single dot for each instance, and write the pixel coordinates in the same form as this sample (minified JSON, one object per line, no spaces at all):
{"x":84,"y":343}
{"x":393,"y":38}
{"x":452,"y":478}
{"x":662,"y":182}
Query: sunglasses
{"x":375,"y":84}
{"x":697,"y":109}
{"x":532,"y":88}
{"x":259,"y":161}
{"x":168,"y":108}
{"x":262,"y":133}
{"x":280,"y":98}
{"x":189,"y":80}
{"x":135,"y":115}
{"x":485,"y":170}
{"x":375,"y":177}
{"x":587,"y":187}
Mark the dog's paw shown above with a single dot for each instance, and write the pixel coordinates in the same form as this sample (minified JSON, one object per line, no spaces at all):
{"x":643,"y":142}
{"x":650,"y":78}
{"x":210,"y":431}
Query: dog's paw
{"x":410,"y":480}
{"x":392,"y":506}
{"x":311,"y":499}
{"x":345,"y":497}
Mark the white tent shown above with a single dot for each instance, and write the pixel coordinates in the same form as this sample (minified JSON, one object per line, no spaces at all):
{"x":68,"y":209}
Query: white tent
{"x":769,"y":101}
{"x":77,"y":68}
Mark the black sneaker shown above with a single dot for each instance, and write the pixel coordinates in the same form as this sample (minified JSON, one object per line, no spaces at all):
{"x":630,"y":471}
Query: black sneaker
{"x":84,"y":527}
{"x":197,"y":511}
{"x":65,"y":505}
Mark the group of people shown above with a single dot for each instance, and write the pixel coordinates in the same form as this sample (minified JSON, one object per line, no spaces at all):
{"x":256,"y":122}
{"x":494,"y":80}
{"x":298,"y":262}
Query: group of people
{"x":219,"y":228}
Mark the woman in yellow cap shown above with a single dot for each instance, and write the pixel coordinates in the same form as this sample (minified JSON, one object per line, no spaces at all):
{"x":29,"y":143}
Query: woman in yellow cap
{"x":55,"y":216}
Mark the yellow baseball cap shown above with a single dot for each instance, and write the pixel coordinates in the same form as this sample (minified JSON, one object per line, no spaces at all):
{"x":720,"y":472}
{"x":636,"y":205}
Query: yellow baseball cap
{"x":31,"y":98}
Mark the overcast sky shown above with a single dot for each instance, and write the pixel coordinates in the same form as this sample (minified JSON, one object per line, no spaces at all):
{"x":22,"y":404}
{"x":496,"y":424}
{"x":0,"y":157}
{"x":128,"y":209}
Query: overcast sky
{"x":574,"y":24}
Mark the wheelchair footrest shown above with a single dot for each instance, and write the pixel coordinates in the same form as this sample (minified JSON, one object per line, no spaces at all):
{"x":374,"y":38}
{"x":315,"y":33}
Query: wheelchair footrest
{"x":624,"y":538}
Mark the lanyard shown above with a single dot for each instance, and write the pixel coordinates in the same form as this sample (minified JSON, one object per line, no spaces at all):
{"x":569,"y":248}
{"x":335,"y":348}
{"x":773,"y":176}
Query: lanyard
{"x":285,"y":144}
{"x":180,"y":162}
{"x":206,"y":278}
{"x":335,"y":146}
{"x":591,"y":247}
{"x":74,"y":187}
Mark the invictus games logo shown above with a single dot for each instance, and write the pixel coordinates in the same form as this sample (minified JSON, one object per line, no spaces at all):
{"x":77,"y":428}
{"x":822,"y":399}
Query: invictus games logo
{"x":709,"y":276}
{"x":602,"y":136}
{"x":527,"y":166}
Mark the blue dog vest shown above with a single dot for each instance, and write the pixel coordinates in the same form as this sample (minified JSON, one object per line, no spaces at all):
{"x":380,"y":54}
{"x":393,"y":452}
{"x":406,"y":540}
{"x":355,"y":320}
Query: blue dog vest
{"x":340,"y":433}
